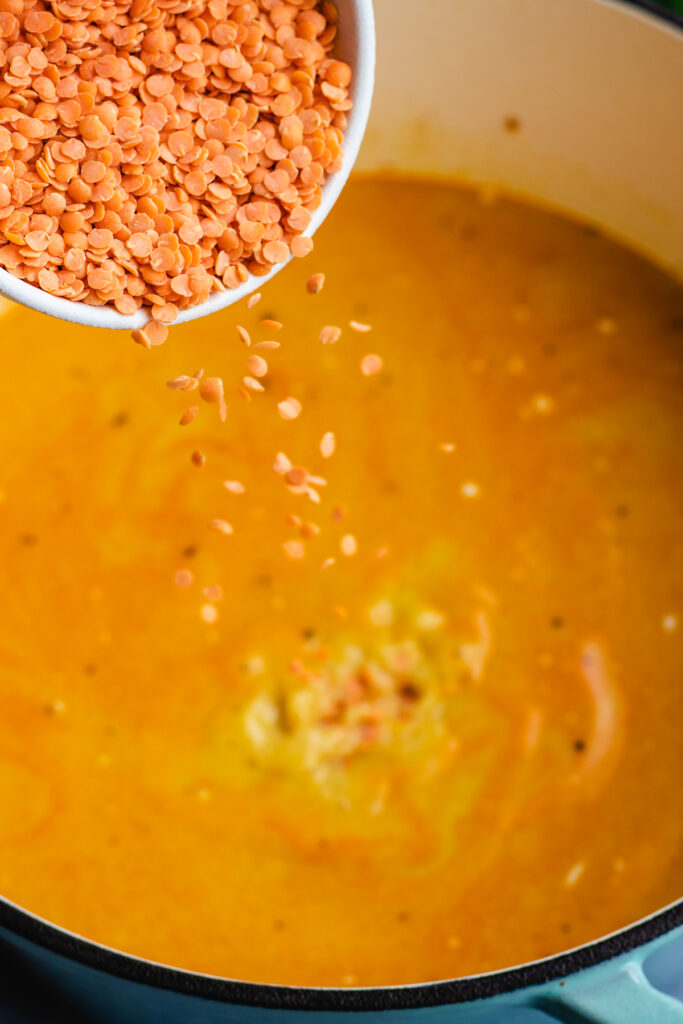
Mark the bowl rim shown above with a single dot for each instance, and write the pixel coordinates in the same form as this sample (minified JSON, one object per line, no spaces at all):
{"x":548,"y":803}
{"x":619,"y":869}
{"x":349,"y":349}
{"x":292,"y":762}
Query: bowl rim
{"x":106,"y":959}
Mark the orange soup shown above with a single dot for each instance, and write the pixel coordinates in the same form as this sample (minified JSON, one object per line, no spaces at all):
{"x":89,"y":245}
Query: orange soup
{"x":455,"y":747}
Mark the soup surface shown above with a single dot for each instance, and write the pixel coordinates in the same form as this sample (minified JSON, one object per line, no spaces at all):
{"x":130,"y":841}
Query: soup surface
{"x":457,"y":748}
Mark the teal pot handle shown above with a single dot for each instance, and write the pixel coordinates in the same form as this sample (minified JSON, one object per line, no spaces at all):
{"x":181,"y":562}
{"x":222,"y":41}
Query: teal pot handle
{"x":625,"y":997}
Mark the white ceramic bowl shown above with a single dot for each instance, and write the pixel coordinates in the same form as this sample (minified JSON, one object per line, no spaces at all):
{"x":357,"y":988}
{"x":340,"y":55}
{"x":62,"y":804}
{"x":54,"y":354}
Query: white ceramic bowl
{"x":355,"y":44}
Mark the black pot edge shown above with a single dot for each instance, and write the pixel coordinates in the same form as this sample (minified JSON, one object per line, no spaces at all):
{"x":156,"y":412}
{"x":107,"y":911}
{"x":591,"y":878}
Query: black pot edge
{"x":663,"y":13}
{"x":346,"y":1000}
{"x":460,"y":990}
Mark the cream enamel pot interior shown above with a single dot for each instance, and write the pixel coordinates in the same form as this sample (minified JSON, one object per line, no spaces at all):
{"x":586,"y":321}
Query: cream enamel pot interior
{"x":597,"y":86}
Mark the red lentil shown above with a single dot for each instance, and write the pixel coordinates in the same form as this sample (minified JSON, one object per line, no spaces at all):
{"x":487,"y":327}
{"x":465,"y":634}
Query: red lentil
{"x":348,"y":545}
{"x":208,"y":613}
{"x":289,"y":409}
{"x":296,"y":476}
{"x":370,"y":365}
{"x":294,"y":549}
{"x":330,"y":335}
{"x":327,"y":444}
{"x":315,"y":283}
{"x":189,"y":415}
{"x":281,"y":465}
{"x":220,"y":526}
{"x":211,"y":390}
{"x":257,"y":366}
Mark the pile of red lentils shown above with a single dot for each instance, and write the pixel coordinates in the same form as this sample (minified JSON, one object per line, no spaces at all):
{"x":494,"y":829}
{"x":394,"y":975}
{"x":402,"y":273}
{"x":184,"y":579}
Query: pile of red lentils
{"x":155,"y":151}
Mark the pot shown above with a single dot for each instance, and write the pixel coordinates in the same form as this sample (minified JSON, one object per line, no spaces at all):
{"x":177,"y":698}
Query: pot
{"x":597,"y":89}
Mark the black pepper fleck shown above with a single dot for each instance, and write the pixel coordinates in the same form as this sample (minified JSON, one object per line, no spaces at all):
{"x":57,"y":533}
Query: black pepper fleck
{"x":409,"y":691}
{"x":262,"y":579}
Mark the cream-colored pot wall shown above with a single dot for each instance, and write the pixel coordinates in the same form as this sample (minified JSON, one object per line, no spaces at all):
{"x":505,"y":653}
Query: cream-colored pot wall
{"x":597,"y":86}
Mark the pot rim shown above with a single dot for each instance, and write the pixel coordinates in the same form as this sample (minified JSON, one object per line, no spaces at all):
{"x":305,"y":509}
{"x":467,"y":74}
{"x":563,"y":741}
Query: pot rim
{"x":391,"y":997}
{"x":348,"y":1000}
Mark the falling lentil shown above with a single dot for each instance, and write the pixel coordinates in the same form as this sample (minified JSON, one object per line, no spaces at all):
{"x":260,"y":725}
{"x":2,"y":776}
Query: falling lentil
{"x":370,"y":365}
{"x":327,"y":444}
{"x":289,"y":409}
{"x":211,"y":389}
{"x":208,"y":613}
{"x":348,"y":545}
{"x":189,"y":415}
{"x":315,"y":284}
{"x":257,"y":366}
{"x":330,"y":335}
{"x":296,"y":476}
{"x":294,"y":549}
{"x":221,"y":526}
{"x":282,"y":464}
{"x":183,"y":383}
{"x":469,"y":490}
